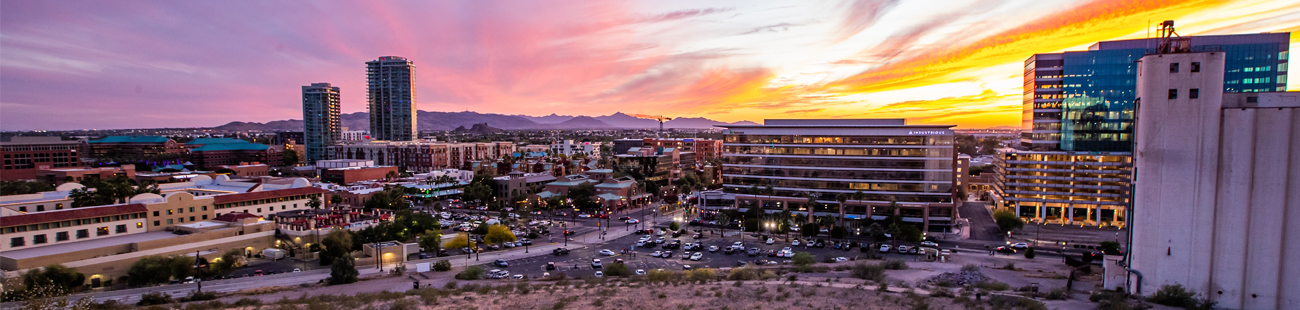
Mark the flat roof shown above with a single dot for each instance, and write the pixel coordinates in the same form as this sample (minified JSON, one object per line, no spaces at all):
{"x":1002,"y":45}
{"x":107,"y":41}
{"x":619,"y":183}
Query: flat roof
{"x":203,"y":225}
{"x":61,"y":248}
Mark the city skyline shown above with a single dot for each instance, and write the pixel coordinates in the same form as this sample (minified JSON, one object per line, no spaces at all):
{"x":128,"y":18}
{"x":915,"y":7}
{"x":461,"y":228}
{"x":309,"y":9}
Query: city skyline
{"x":87,"y":66}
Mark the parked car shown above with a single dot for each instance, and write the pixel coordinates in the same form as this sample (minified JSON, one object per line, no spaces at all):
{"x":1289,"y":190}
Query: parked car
{"x":640,"y":272}
{"x":667,"y":254}
{"x":660,"y":240}
{"x":697,"y":256}
{"x":729,"y":250}
{"x":501,"y":263}
{"x":656,"y":254}
{"x":560,"y":251}
{"x":686,"y":267}
{"x":902,"y":249}
{"x":841,"y":259}
{"x":770,"y":241}
{"x":550,"y":266}
{"x":754,"y":251}
{"x":600,"y":274}
{"x":884,"y":248}
{"x":713,"y":249}
{"x":595,"y":263}
{"x":929,"y":244}
{"x":1006,"y":250}
{"x":795,"y":242}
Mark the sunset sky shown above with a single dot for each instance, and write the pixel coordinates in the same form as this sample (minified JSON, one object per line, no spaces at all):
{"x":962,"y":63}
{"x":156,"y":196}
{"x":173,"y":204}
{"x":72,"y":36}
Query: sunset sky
{"x":137,"y":64}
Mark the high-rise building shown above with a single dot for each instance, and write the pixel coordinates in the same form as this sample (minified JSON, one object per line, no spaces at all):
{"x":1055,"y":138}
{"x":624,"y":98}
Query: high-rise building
{"x":1215,"y":180}
{"x":1083,"y":100}
{"x":785,"y":163}
{"x":320,"y":116}
{"x":391,"y":95}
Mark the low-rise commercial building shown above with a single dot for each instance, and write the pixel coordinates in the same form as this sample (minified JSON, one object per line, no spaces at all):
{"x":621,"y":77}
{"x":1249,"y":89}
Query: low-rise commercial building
{"x":421,"y":156}
{"x":354,"y":174}
{"x":138,"y":148}
{"x":570,"y":148}
{"x":211,"y":156}
{"x":24,"y":156}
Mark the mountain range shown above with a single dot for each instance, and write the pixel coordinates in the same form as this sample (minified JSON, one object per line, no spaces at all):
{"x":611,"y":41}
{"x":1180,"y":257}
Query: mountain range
{"x":451,"y":120}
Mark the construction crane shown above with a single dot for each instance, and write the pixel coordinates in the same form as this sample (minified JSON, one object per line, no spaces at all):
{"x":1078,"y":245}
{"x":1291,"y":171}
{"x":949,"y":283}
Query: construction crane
{"x":661,"y":120}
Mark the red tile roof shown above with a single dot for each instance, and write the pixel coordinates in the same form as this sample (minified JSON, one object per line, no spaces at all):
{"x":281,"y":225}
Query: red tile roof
{"x":70,"y":214}
{"x":266,"y":194}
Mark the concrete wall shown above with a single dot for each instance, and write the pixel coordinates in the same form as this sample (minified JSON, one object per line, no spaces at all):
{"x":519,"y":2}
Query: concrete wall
{"x":1215,"y":188}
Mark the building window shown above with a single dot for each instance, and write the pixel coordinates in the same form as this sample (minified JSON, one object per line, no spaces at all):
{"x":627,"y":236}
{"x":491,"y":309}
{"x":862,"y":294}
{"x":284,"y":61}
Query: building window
{"x":17,"y":242}
{"x":139,"y":225}
{"x":1196,"y":66}
{"x":205,"y":216}
{"x":22,"y":209}
{"x":61,"y":236}
{"x":155,"y":213}
{"x":205,"y":208}
{"x":191,"y":219}
{"x":191,"y":209}
{"x":1173,"y":94}
{"x":169,"y":221}
{"x":259,"y":210}
{"x":121,"y":228}
{"x":39,"y":239}
{"x":40,"y":208}
{"x":58,"y":206}
{"x":1252,"y":99}
{"x":101,"y":231}
{"x":156,"y":224}
{"x":169,"y":212}
{"x":1173,"y":68}
{"x":1194,"y":93}
{"x":83,"y":234}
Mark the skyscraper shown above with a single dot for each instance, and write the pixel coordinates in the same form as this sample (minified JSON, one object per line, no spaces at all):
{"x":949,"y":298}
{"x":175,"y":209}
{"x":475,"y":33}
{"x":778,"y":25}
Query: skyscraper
{"x":1083,"y":101}
{"x":391,"y":95}
{"x":320,"y":119}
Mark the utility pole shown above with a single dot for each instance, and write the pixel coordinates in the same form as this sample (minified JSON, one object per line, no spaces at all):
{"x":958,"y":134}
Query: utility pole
{"x":197,"y":277}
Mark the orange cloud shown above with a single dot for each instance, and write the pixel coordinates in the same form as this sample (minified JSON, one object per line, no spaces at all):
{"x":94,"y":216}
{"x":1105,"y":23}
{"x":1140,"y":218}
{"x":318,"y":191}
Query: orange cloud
{"x":1087,"y":23}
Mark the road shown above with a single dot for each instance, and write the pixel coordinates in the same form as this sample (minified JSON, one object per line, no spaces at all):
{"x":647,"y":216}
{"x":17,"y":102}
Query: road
{"x":981,"y":221}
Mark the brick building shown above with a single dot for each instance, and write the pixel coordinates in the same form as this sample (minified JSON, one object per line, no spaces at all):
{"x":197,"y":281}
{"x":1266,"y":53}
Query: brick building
{"x":23,"y":156}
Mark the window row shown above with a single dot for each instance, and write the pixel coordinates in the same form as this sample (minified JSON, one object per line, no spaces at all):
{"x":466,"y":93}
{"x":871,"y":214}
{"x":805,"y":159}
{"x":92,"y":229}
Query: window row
{"x":70,"y":223}
{"x":64,"y":235}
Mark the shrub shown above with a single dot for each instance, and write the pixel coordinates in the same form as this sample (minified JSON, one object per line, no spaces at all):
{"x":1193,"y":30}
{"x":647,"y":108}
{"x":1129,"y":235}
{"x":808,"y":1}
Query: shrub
{"x":470,"y":273}
{"x":828,"y":259}
{"x":450,"y":285}
{"x":743,"y":273}
{"x":659,"y":275}
{"x":970,"y":267}
{"x":894,"y":264}
{"x":703,"y":274}
{"x":617,"y":270}
{"x":803,"y":259}
{"x":1058,"y":294}
{"x":993,"y":286}
{"x":199,"y":296}
{"x":1112,"y":300}
{"x":1009,"y":266}
{"x":1007,"y":220}
{"x":1029,"y":253}
{"x":442,"y":265}
{"x":154,"y":298}
{"x":873,"y":272}
{"x":1178,"y":296}
{"x":942,"y":292}
{"x":343,"y":270}
{"x":245,"y":302}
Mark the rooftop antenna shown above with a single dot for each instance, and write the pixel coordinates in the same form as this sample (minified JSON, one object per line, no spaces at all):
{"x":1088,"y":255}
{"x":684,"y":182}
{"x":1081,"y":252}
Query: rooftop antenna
{"x":1170,"y":41}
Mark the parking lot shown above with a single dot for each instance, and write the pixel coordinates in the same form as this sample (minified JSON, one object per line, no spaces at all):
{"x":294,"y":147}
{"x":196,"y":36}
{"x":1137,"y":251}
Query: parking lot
{"x":578,"y":261}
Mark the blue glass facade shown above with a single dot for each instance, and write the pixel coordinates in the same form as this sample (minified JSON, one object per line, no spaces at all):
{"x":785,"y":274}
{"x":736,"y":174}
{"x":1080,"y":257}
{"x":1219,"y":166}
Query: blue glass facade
{"x":1099,"y":85}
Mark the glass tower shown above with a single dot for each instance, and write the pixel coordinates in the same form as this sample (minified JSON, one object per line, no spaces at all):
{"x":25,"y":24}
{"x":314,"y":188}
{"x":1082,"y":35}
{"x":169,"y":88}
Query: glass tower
{"x":391,"y":95}
{"x":321,"y":126}
{"x":1084,"y":99}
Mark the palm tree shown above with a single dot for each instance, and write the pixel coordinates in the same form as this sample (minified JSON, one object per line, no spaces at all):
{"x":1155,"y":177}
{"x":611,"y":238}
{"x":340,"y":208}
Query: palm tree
{"x":874,"y":231}
{"x":723,"y":221}
{"x":841,"y":198}
{"x":314,"y":202}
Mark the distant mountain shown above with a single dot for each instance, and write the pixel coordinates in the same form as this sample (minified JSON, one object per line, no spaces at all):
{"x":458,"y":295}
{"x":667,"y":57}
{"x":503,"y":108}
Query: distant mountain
{"x":549,"y":119}
{"x":478,"y":129}
{"x":582,"y":122}
{"x":627,"y":121}
{"x":451,"y":120}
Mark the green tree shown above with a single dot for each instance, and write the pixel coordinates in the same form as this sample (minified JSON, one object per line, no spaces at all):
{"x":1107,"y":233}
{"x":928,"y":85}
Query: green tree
{"x":723,"y":222}
{"x":673,"y":226}
{"x":291,"y":158}
{"x":803,"y":259}
{"x":59,"y":276}
{"x":498,"y":234}
{"x":430,"y":240}
{"x":809,"y":230}
{"x":228,"y":262}
{"x":181,"y":266}
{"x":336,"y":199}
{"x":1029,"y":253}
{"x":470,"y":273}
{"x":477,"y":192}
{"x":337,"y":244}
{"x":314,"y":202}
{"x":1007,"y":221}
{"x":24,"y":187}
{"x":343,"y":270}
{"x":98,"y":192}
{"x":1109,"y":247}
{"x":910,"y":233}
{"x":151,"y":269}
{"x":839,"y":232}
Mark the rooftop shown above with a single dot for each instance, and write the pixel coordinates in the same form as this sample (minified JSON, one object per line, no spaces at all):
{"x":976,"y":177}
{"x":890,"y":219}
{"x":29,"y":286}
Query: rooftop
{"x":72,"y":213}
{"x":203,"y":141}
{"x":131,"y":139}
{"x":232,"y":147}
{"x":60,"y":248}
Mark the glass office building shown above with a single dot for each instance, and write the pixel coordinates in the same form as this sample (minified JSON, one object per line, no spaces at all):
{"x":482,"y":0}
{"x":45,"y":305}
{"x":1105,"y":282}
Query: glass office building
{"x":1084,"y":99}
{"x":780,"y":165}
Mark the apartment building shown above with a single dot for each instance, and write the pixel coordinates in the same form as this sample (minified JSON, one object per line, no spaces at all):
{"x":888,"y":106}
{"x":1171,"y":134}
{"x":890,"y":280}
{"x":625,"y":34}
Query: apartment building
{"x":321,"y":123}
{"x":391,"y":98}
{"x":1087,"y":189}
{"x":702,"y":149}
{"x":570,"y":148}
{"x":422,"y":156}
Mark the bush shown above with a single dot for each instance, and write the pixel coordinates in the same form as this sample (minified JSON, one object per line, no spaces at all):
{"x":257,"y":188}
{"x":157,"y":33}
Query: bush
{"x":442,"y":265}
{"x":942,"y":292}
{"x":970,"y":267}
{"x":617,"y":270}
{"x":873,"y":272}
{"x":199,"y":296}
{"x":1029,"y":253}
{"x":1178,"y":296}
{"x":1007,"y":221}
{"x":803,"y":259}
{"x":245,"y":302}
{"x":743,"y":273}
{"x":154,"y":298}
{"x":470,"y":273}
{"x":1112,"y":300}
{"x":702,"y":274}
{"x":659,"y":275}
{"x":1058,"y":294}
{"x":1109,"y":247}
{"x":894,"y":264}
{"x":1009,"y":266}
{"x":343,"y":270}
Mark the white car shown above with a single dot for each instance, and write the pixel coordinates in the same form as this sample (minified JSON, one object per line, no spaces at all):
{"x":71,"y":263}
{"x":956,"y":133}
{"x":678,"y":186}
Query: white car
{"x":929,"y":244}
{"x":1019,"y":245}
{"x":656,"y":254}
{"x":795,"y":242}
{"x":660,"y":233}
{"x":770,"y":241}
{"x":607,"y":252}
{"x":600,"y":274}
{"x":517,"y":277}
{"x":884,"y":248}
{"x":640,"y":272}
{"x":644,"y":239}
{"x":841,"y":259}
{"x":713,"y":248}
{"x":632,"y":221}
{"x":660,"y":240}
{"x":902,"y":249}
{"x":697,"y":256}
{"x":445,"y":215}
{"x":297,"y":270}
{"x":738,"y":245}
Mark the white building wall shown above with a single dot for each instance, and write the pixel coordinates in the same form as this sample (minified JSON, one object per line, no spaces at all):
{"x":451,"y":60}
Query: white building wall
{"x":133,"y":226}
{"x":1215,"y":206}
